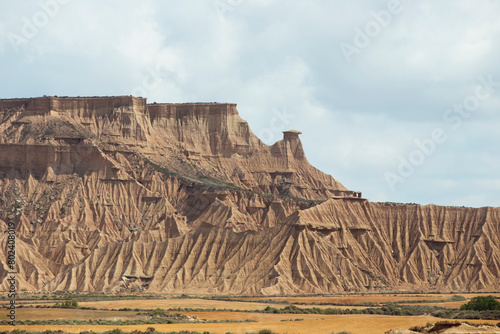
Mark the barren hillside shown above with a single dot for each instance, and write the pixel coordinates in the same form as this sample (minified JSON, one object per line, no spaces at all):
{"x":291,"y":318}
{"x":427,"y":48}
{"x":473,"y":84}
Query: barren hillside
{"x":113,"y":194}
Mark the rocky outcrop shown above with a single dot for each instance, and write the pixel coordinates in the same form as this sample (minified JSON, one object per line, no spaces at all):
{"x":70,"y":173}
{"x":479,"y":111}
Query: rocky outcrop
{"x":114,"y":194}
{"x":448,"y":327}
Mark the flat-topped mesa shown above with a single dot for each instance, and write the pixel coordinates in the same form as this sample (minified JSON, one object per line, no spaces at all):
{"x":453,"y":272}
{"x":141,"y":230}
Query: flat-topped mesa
{"x":8,"y":104}
{"x":75,"y":106}
{"x":204,"y":128}
{"x":179,"y":110}
{"x":112,"y":119}
{"x":216,"y":132}
{"x":203,"y":134}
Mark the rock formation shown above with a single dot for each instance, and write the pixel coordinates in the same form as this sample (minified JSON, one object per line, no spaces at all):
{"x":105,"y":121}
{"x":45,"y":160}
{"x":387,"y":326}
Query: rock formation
{"x":113,"y":194}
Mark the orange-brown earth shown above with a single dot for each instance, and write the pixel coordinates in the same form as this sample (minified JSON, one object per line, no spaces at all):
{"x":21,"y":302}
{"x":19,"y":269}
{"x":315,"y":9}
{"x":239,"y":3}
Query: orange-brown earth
{"x":113,"y":194}
{"x":355,"y":324}
{"x":378,"y":298}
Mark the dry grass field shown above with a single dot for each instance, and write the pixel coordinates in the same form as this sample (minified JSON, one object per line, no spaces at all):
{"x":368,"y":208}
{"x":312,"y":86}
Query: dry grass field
{"x":72,"y":314}
{"x":352,"y":299}
{"x":279,"y":323}
{"x":368,"y":298}
{"x":355,"y":324}
{"x":196,"y":303}
{"x":446,"y":304}
{"x":183,"y":303}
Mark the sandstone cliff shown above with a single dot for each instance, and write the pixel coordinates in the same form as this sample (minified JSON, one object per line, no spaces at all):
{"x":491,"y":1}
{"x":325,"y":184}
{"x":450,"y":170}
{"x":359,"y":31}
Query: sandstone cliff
{"x":114,"y":194}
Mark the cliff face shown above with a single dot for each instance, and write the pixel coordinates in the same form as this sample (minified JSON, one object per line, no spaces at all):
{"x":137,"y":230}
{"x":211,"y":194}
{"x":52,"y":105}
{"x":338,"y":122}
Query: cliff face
{"x":112,"y":194}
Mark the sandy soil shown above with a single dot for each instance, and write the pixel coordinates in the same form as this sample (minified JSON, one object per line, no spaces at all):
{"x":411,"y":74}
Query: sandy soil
{"x":280,"y":323}
{"x":72,"y":314}
{"x":374,"y":298}
{"x":356,"y":324}
{"x":447,"y":304}
{"x":172,"y":303}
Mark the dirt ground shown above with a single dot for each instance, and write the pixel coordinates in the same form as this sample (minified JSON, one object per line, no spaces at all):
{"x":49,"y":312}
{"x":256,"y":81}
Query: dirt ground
{"x":279,"y":323}
{"x":356,"y":324}
{"x":446,"y":304}
{"x":72,"y":314}
{"x":368,"y":298}
{"x":197,"y":303}
{"x":183,"y":303}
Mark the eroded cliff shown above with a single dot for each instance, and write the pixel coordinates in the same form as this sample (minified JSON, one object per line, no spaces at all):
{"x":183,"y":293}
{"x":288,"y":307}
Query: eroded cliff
{"x":112,"y":194}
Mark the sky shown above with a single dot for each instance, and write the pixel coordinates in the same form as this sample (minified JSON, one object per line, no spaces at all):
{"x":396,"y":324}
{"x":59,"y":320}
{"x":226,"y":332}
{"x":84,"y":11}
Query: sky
{"x":398,"y":99}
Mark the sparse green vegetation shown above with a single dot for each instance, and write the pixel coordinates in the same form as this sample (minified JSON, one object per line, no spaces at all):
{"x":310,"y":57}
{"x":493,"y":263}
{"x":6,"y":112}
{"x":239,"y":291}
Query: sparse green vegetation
{"x":265,"y":331}
{"x":67,"y":304}
{"x":279,"y":308}
{"x":389,"y":309}
{"x":467,"y":314}
{"x":480,"y":303}
{"x":454,"y":298}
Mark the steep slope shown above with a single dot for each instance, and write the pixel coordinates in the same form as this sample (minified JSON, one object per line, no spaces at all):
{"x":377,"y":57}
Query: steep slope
{"x":112,"y":194}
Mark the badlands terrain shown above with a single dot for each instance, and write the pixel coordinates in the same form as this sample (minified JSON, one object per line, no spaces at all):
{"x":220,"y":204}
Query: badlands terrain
{"x":114,"y":195}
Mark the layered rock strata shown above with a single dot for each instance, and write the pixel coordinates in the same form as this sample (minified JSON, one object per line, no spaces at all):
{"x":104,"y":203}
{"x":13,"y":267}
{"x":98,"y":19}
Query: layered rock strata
{"x":113,"y":194}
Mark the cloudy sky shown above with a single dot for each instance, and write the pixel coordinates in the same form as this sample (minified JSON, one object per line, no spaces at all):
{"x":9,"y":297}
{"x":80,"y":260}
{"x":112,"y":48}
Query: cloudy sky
{"x":399,"y":99}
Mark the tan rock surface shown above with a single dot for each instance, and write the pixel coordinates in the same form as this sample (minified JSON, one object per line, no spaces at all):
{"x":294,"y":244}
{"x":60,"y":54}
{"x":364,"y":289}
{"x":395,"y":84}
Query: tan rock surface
{"x":112,"y":194}
{"x":447,"y":327}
